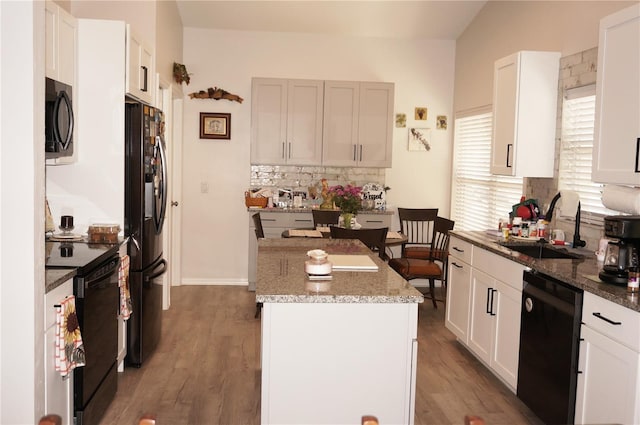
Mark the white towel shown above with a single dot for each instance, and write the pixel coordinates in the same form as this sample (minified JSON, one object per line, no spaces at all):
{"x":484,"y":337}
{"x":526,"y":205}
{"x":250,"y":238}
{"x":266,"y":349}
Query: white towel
{"x":621,"y":198}
{"x":568,"y":205}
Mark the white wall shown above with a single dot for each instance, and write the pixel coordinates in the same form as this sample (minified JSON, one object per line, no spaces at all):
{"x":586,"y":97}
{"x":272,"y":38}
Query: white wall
{"x":505,"y":27}
{"x":215,"y":224}
{"x":22,"y":212}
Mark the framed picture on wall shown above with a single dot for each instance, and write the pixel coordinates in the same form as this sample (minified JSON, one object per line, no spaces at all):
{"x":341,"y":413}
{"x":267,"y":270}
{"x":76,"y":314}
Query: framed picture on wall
{"x":215,"y":125}
{"x":419,"y":139}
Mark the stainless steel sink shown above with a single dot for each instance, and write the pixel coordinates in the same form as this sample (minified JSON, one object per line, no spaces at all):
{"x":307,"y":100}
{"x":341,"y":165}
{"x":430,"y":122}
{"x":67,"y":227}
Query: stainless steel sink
{"x":538,"y":250}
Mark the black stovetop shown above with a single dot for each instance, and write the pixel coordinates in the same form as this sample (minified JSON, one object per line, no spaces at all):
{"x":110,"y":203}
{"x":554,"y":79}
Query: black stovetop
{"x":80,"y":255}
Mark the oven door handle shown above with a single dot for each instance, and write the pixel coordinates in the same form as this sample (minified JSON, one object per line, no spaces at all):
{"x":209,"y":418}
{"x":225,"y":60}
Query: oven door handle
{"x":162,"y":271}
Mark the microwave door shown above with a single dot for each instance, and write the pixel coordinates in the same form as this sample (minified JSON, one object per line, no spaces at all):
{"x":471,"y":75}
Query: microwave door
{"x":63,"y":119}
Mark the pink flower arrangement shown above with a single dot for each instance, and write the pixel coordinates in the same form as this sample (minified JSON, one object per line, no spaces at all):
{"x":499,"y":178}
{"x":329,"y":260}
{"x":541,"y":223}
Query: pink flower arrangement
{"x":347,"y":198}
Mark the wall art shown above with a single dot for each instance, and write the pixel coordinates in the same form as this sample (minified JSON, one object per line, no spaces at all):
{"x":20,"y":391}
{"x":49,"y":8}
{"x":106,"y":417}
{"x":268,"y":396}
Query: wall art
{"x":419,"y":139}
{"x":441,"y":122}
{"x":215,"y":125}
{"x":421,"y":114}
{"x":401,"y":120}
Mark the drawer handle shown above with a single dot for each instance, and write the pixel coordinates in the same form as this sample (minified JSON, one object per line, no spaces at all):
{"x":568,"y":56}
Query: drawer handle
{"x":268,"y":219}
{"x":454,"y":264}
{"x":455,"y":248}
{"x":373,"y":221}
{"x":304,"y":221}
{"x":600,"y":316}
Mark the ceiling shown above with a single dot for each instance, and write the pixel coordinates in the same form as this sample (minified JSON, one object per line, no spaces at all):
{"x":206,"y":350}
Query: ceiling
{"x":387,"y":19}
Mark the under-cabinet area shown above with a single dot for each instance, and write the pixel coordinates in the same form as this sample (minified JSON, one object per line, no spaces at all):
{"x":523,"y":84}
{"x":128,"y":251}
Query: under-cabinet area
{"x":492,"y":289}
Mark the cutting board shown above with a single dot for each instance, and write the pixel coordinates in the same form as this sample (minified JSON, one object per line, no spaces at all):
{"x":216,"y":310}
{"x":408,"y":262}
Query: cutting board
{"x":352,"y":262}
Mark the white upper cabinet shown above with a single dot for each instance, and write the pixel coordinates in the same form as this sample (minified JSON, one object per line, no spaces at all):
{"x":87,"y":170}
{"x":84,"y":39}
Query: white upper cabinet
{"x":525,"y":96}
{"x":286,"y":121}
{"x":617,"y":125}
{"x":139,"y":68}
{"x":60,"y":44}
{"x":358,"y":124}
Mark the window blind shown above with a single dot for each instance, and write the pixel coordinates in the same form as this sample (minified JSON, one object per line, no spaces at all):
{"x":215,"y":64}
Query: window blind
{"x":576,"y":146}
{"x":479,"y":199}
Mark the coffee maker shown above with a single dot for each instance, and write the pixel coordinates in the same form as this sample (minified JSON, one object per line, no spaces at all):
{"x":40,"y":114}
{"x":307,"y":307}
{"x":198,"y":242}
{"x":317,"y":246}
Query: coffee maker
{"x":623,"y":252}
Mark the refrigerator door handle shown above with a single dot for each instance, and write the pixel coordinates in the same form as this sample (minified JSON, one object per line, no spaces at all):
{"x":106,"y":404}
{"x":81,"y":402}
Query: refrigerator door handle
{"x":150,"y":277}
{"x":159,"y":216}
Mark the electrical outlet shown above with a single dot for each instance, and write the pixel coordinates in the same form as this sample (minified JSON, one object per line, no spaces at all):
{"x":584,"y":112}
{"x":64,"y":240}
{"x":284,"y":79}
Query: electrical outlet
{"x":204,"y":187}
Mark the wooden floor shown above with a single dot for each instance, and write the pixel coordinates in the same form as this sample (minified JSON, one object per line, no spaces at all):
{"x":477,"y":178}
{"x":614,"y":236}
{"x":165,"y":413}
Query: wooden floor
{"x":206,"y":369}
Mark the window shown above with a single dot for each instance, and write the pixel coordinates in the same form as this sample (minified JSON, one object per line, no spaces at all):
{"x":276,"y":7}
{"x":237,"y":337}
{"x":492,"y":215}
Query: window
{"x":479,"y":199}
{"x":578,"y":119}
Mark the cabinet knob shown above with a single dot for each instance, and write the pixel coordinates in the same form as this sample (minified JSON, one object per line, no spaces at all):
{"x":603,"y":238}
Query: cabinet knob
{"x":174,"y":203}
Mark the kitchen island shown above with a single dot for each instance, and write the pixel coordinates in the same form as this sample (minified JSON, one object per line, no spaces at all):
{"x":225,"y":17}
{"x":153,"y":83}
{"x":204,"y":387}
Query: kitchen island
{"x":335,"y":350}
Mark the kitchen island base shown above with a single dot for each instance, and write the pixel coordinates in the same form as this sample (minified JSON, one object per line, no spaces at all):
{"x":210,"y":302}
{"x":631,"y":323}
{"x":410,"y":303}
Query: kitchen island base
{"x":332,"y":363}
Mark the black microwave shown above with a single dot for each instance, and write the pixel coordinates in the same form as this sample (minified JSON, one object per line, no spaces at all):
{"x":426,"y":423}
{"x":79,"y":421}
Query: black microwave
{"x":58,"y":119}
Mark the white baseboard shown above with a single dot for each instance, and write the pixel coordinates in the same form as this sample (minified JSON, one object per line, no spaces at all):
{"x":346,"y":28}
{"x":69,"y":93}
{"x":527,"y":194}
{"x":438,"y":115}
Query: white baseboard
{"x":215,"y":282}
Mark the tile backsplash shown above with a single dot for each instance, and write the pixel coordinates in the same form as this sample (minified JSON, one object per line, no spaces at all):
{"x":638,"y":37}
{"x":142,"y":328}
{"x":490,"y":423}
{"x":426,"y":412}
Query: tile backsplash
{"x":302,"y":177}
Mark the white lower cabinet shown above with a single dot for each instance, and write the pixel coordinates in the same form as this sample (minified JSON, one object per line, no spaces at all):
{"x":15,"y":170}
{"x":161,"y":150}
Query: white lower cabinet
{"x":58,"y":393}
{"x":328,"y":363}
{"x":609,"y":382}
{"x":490,"y":289}
{"x":459,"y":289}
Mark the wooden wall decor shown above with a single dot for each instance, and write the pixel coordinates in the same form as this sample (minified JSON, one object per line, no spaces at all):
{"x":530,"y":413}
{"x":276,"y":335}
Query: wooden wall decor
{"x":217,"y":94}
{"x":180,"y":73}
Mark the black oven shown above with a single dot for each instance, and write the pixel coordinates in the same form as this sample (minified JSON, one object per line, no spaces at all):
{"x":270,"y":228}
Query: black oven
{"x":97,"y":293}
{"x":59,"y":121}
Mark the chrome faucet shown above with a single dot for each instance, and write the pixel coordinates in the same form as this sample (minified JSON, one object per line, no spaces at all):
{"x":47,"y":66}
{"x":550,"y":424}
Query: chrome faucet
{"x":577,"y":242}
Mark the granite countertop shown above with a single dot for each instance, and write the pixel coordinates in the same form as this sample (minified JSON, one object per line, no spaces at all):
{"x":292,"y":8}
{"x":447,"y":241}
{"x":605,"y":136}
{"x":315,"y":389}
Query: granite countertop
{"x":580,"y":273}
{"x":305,"y":210}
{"x":56,"y":277}
{"x":282,"y":279}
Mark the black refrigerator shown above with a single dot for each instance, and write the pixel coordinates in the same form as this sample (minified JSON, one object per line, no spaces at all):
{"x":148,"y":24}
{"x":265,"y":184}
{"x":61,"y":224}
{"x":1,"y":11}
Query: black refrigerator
{"x":145,"y":210}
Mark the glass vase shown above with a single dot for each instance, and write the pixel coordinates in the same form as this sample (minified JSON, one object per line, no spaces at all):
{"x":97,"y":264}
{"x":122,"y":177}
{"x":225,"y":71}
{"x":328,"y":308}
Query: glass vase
{"x":347,"y":220}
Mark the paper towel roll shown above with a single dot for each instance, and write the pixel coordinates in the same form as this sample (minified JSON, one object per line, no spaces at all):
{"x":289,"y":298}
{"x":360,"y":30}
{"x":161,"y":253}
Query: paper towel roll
{"x":621,"y":198}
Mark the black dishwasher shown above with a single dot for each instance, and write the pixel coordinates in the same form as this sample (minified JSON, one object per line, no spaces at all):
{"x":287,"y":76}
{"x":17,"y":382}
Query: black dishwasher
{"x":549,"y":346}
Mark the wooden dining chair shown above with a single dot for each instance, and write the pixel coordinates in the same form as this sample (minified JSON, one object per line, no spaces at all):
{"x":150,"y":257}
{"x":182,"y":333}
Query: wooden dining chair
{"x":435,"y":267}
{"x":325,"y":218}
{"x":257,"y":221}
{"x":473,"y":420}
{"x":374,"y":239}
{"x":417,"y":225}
{"x":50,"y":420}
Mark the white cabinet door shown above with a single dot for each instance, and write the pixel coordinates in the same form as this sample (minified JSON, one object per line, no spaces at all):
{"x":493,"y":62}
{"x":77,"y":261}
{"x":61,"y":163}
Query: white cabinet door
{"x":375,"y":124}
{"x":358,"y":124}
{"x":525,"y":91}
{"x":609,"y":384}
{"x":340,"y":125}
{"x":139,"y":68}
{"x":286,"y":121}
{"x":58,"y":391}
{"x":458,"y":296}
{"x":304,"y":122}
{"x":60,"y":44}
{"x":481,"y":324}
{"x":268,"y":121}
{"x":617,"y":125}
{"x":504,"y":360}
{"x":494,"y":327}
{"x":51,"y":39}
